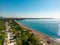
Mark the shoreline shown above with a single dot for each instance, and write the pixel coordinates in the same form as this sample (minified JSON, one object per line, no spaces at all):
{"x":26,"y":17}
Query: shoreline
{"x":41,"y":35}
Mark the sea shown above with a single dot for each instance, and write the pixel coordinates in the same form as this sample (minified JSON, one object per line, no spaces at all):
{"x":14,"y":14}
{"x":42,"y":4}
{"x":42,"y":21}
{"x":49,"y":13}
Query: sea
{"x":50,"y":27}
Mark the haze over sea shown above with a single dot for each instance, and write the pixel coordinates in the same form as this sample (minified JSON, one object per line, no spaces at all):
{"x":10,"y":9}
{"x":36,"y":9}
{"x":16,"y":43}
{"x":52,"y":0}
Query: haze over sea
{"x":50,"y":27}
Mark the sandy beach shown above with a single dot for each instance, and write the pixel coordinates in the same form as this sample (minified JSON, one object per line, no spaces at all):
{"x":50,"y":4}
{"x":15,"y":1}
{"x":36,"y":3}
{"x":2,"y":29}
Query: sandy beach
{"x":42,"y":36}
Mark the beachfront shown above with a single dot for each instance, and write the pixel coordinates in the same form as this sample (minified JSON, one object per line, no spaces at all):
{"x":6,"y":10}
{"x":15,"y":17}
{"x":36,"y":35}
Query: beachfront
{"x":19,"y":34}
{"x":42,"y":37}
{"x":25,"y":36}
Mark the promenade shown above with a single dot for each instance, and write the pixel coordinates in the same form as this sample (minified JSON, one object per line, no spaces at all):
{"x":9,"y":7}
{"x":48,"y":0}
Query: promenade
{"x":9,"y":36}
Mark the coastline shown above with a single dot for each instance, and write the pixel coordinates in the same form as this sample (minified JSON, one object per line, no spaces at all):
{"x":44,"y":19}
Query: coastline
{"x":42,"y":36}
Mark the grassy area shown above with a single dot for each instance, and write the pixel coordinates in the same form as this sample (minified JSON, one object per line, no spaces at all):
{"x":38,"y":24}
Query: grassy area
{"x":23,"y":36}
{"x":2,"y":31}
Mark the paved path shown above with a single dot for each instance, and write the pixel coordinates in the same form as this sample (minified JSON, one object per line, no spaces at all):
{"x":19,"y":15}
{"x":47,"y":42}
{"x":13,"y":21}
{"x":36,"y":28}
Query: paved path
{"x":8,"y":36}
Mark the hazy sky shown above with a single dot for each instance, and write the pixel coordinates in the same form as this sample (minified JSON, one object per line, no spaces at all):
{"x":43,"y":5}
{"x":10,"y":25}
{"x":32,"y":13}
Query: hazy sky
{"x":30,"y":8}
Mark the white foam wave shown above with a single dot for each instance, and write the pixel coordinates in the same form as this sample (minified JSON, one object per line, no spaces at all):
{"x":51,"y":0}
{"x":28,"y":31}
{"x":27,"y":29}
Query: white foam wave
{"x":59,"y":30}
{"x":58,"y":39}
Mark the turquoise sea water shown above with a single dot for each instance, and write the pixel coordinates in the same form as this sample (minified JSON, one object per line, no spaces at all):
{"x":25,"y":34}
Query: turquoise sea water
{"x":50,"y":27}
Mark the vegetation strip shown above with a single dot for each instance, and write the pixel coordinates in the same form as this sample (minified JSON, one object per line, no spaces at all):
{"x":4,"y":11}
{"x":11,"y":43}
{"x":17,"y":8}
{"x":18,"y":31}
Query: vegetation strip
{"x":2,"y":31}
{"x":23,"y":36}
